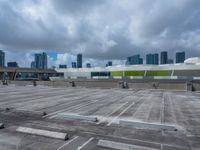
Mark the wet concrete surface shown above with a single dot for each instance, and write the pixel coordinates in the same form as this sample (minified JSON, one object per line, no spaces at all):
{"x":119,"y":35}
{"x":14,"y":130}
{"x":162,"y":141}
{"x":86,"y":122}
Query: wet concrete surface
{"x":26,"y":105}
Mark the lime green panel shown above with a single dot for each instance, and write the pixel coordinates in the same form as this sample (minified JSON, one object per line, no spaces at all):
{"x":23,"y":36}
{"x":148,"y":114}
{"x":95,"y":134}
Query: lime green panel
{"x":158,"y":73}
{"x":134,"y":73}
{"x":117,"y":73}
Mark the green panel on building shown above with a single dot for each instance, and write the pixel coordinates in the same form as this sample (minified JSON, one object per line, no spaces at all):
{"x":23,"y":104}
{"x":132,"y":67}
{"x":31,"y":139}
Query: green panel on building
{"x":134,"y":73}
{"x":117,"y":73}
{"x":159,"y":73}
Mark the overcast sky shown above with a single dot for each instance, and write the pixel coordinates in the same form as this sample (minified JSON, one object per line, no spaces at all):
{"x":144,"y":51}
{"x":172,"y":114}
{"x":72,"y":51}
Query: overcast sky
{"x":99,"y":29}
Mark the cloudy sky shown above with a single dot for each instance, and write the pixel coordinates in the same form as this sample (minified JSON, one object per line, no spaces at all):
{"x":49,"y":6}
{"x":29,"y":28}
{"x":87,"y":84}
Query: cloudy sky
{"x":101,"y":30}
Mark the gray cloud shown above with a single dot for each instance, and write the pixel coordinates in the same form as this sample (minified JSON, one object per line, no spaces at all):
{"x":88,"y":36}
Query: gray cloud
{"x":100,"y":29}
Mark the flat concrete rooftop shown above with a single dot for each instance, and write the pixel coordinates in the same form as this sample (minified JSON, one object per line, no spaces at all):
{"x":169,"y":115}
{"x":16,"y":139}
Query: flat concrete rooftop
{"x":23,"y":106}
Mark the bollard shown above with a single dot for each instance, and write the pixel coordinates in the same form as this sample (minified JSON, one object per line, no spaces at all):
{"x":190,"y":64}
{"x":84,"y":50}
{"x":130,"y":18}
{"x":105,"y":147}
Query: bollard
{"x":73,"y":83}
{"x":45,"y":133}
{"x":190,"y":86}
{"x":155,"y":85}
{"x":123,"y":84}
{"x":34,"y":83}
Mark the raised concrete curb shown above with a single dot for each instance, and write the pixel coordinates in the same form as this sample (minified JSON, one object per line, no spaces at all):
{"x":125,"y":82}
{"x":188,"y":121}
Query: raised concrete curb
{"x":1,"y":125}
{"x":68,"y":116}
{"x":46,"y":133}
{"x":146,"y":125}
{"x":121,"y":146}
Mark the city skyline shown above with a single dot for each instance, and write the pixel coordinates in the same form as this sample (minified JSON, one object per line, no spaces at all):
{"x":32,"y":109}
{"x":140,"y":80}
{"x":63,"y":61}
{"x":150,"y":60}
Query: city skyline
{"x":129,"y":28}
{"x":41,"y":60}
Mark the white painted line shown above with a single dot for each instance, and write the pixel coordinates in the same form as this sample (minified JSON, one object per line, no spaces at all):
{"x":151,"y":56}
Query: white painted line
{"x":120,"y":114}
{"x":105,"y":118}
{"x":147,"y":125}
{"x":68,"y":116}
{"x":53,"y":114}
{"x":84,"y":144}
{"x":68,"y":142}
{"x":121,"y":146}
{"x":46,"y":133}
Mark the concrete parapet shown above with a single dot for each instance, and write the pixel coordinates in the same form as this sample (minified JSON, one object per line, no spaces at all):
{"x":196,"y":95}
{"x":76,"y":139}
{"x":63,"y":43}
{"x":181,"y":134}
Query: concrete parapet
{"x":46,"y":133}
{"x":76,"y":117}
{"x":1,"y":125}
{"x":147,"y":125}
{"x":121,"y":146}
{"x":118,"y":83}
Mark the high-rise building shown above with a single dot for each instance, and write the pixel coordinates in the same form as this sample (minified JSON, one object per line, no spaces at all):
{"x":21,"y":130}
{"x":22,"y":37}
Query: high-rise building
{"x":33,"y":64}
{"x":149,"y":59}
{"x":12,"y":64}
{"x":44,"y":61}
{"x":156,"y":59}
{"x":88,"y":65}
{"x":180,"y":57}
{"x":2,"y":58}
{"x":73,"y":64}
{"x":62,"y":66}
{"x":79,"y":61}
{"x":109,"y":63}
{"x":152,"y":59}
{"x":134,"y":60}
{"x":41,"y":61}
{"x":140,"y":60}
{"x":163,"y":57}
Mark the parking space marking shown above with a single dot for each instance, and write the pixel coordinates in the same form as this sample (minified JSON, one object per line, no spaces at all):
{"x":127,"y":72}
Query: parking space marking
{"x":84,"y":144}
{"x":115,"y":110}
{"x":68,"y":142}
{"x":120,"y":114}
{"x":76,"y":107}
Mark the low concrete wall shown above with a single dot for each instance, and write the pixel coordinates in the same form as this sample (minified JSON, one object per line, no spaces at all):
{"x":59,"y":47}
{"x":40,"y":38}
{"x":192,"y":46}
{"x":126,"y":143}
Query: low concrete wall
{"x":97,"y":83}
{"x":114,"y":83}
{"x":157,"y":85}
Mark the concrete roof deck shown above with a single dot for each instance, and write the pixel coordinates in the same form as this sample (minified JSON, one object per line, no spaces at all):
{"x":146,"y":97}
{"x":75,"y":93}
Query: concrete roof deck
{"x":27,"y":103}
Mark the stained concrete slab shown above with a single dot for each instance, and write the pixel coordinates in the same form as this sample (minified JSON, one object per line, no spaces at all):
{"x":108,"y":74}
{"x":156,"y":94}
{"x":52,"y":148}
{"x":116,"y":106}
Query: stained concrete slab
{"x":27,"y":103}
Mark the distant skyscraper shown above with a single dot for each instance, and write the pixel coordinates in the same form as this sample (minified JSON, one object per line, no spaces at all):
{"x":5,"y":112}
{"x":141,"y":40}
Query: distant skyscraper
{"x":180,"y":57}
{"x":109,"y":63}
{"x":88,"y":65}
{"x":62,"y":66}
{"x":38,"y":61}
{"x":2,"y":58}
{"x":149,"y":59}
{"x":73,"y":64}
{"x":156,"y":59}
{"x":152,"y":59}
{"x":33,"y":64}
{"x":134,"y":60}
{"x":41,"y":61}
{"x":12,"y":64}
{"x":79,"y":61}
{"x":140,"y":60}
{"x":44,"y":60}
{"x":163,"y":57}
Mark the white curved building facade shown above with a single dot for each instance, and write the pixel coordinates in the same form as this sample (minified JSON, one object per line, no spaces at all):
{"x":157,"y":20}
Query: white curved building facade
{"x":169,"y":71}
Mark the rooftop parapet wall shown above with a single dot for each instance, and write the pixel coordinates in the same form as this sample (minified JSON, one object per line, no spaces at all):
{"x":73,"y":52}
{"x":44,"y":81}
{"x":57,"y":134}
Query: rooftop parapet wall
{"x":112,"y":83}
